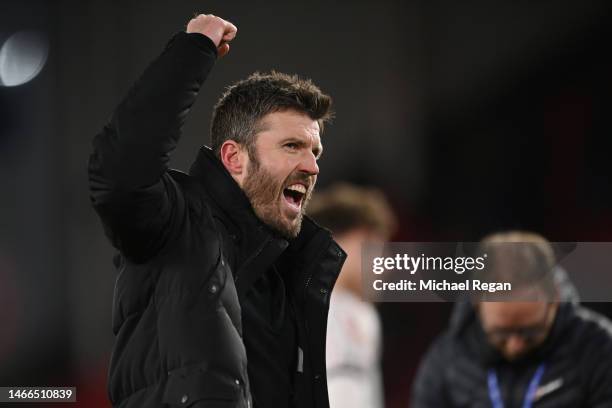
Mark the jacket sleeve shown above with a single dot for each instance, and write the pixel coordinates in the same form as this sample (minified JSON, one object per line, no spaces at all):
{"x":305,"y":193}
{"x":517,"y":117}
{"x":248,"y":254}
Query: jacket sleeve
{"x":138,"y":202}
{"x":429,"y":389}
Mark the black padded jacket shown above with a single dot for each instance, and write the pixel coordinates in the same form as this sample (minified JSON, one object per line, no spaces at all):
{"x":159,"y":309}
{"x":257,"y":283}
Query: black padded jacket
{"x":577,"y":356}
{"x":189,"y":247}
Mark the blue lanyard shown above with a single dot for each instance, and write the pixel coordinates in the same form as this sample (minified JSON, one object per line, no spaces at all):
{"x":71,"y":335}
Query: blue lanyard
{"x":495,"y":393}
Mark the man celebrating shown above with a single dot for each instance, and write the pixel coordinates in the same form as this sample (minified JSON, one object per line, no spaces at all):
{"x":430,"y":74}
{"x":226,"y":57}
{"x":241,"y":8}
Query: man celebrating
{"x":218,"y":267}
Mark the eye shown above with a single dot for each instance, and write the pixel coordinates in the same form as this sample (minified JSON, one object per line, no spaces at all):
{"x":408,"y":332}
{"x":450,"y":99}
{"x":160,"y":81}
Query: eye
{"x":291,"y":146}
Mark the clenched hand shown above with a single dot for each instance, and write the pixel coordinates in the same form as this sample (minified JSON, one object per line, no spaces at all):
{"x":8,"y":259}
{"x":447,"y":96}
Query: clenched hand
{"x":220,"y":31}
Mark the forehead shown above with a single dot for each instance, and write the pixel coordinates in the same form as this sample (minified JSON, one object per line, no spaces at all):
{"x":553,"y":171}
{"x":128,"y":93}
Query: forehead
{"x":508,"y":314}
{"x":276,"y":126}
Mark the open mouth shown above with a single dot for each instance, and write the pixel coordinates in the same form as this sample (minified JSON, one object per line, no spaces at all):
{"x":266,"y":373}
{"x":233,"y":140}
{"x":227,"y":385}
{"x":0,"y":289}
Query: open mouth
{"x":294,"y":196}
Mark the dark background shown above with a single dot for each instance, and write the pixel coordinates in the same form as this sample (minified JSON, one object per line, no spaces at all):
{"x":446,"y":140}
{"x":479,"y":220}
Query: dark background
{"x":471,"y":116}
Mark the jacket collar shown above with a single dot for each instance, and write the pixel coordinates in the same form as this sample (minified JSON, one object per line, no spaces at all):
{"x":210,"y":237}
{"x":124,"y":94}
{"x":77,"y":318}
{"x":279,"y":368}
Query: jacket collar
{"x":224,"y":191}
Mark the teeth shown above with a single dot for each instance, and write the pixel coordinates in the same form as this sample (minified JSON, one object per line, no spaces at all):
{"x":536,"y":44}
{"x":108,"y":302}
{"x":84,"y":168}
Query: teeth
{"x":298,"y":188}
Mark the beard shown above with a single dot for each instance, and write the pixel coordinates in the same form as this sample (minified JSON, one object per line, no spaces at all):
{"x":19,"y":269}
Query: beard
{"x":265,"y":192}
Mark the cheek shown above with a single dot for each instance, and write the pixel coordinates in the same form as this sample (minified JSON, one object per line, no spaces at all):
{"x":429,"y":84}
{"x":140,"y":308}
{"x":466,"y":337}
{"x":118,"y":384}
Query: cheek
{"x":274,"y":169}
{"x":290,"y":161}
{"x":284,"y":171}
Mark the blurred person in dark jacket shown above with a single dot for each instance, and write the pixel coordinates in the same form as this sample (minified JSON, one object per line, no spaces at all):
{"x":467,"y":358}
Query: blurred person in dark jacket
{"x":543,"y":351}
{"x":355,"y":215}
{"x":216,"y":267}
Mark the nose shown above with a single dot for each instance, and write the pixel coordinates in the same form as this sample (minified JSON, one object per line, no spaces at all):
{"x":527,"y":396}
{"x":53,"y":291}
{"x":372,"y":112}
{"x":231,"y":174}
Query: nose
{"x":309,"y":164}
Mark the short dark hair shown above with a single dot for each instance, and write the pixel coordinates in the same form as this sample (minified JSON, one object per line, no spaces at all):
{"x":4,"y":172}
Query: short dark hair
{"x":344,"y":207}
{"x":237,"y":114}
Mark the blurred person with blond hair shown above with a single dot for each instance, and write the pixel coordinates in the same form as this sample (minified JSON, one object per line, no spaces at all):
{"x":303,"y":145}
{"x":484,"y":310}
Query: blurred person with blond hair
{"x":537,"y":349}
{"x":355,"y":215}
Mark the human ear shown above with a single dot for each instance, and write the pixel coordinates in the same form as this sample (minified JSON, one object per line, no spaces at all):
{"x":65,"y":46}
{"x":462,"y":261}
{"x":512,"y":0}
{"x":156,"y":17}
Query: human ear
{"x":232,"y":157}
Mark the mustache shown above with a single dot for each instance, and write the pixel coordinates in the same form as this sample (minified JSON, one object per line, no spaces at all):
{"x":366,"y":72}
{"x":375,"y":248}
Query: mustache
{"x":300,"y":178}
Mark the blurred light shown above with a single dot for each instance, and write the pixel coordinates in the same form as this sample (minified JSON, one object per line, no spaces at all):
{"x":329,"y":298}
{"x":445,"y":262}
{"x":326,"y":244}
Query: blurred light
{"x":22,"y":57}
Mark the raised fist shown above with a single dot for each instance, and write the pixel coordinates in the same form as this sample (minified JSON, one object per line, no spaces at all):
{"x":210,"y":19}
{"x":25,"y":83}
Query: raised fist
{"x":221,"y":32}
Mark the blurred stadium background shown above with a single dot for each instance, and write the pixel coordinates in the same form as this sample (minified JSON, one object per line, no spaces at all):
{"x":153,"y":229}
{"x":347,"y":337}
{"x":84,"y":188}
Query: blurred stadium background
{"x":471,"y":116}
